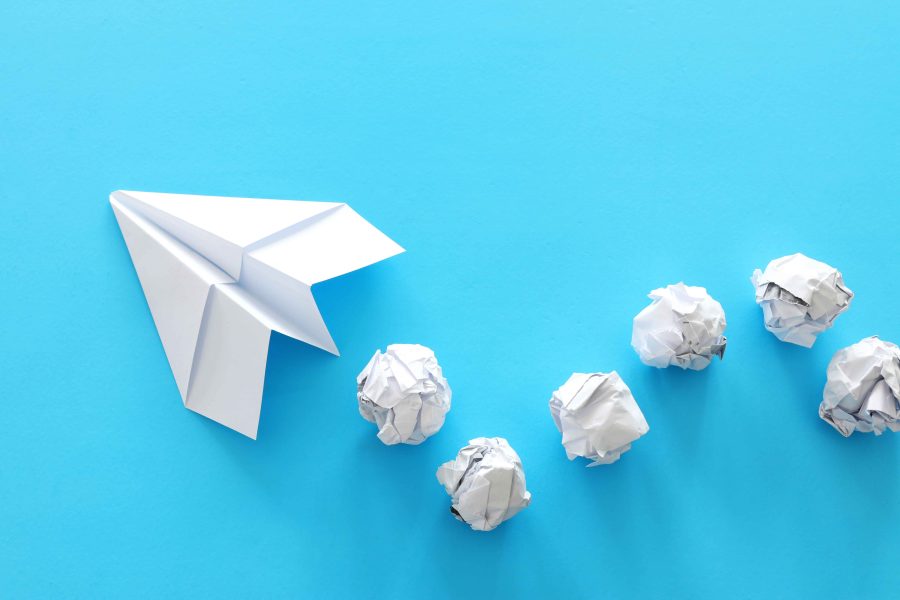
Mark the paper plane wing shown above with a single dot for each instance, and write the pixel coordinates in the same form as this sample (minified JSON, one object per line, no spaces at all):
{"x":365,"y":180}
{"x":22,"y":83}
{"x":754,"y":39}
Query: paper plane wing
{"x":220,"y":274}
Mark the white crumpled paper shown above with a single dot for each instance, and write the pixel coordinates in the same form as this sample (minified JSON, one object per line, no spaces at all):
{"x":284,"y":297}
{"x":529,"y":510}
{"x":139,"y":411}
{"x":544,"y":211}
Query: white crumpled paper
{"x":403,"y":392}
{"x":683,"y":326}
{"x":800,"y":297}
{"x":863,"y":388}
{"x":486,"y":482}
{"x":597,"y":416}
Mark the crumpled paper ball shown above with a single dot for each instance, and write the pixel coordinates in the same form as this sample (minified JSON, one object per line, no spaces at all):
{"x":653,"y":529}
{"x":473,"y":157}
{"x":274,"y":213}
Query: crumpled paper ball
{"x":403,"y":392}
{"x":683,"y":326}
{"x":486,"y":482}
{"x":862,"y":392}
{"x":800,"y":297}
{"x":597,"y":416}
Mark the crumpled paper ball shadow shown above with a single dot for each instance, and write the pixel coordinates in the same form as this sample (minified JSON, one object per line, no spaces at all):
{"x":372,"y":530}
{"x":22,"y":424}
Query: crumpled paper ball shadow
{"x":682,"y":327}
{"x":403,"y":391}
{"x":486,"y":482}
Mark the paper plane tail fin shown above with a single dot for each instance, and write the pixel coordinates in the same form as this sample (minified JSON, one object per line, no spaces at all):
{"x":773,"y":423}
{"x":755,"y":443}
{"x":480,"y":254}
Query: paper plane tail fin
{"x":288,"y":306}
{"x":229,"y":367}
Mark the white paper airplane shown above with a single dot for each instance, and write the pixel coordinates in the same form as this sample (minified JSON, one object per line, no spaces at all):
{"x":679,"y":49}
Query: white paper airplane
{"x":220,"y":274}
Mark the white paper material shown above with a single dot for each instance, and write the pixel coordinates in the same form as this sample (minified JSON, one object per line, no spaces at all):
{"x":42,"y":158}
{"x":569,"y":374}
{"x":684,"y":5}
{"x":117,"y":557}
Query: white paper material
{"x":862,"y":392}
{"x":683,"y":326}
{"x":597,"y":416}
{"x":404,"y":392}
{"x":800,"y":297}
{"x":220,"y":274}
{"x":486,"y":482}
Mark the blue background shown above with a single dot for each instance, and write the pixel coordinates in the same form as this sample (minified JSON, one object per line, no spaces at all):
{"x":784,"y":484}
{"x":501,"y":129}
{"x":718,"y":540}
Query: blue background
{"x":546,"y":165}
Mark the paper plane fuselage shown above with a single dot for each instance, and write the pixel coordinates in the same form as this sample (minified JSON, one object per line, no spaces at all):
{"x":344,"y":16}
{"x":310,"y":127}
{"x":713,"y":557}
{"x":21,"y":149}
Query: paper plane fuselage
{"x":220,"y":274}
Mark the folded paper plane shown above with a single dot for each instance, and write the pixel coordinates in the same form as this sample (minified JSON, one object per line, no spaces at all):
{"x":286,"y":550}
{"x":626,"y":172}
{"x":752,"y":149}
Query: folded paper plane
{"x":220,"y":274}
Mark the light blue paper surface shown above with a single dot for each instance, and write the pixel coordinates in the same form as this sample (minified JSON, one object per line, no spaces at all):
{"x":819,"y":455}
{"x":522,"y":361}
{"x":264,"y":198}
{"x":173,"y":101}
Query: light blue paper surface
{"x":546,"y":165}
